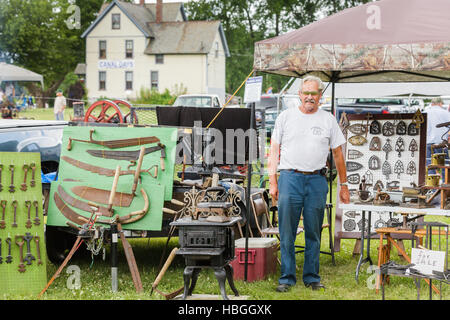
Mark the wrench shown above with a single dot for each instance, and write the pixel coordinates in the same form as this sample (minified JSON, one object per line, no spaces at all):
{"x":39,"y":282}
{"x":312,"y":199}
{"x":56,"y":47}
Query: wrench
{"x":12,"y":188}
{"x":20,"y":244}
{"x":39,"y":261}
{"x":23,"y":186}
{"x":1,"y":169}
{"x":28,"y":256}
{"x":14,"y":204}
{"x":28,"y":224}
{"x":37,"y":221}
{"x":9,"y":258}
{"x":3,"y":204}
{"x":33,"y":171}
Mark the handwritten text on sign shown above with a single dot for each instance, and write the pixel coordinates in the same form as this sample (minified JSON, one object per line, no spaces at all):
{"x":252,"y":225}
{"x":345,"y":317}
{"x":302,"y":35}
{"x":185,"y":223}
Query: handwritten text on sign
{"x":427,"y":260}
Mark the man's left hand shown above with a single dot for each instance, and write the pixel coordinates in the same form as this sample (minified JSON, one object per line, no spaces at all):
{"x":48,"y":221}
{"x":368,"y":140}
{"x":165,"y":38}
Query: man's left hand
{"x":344,"y":195}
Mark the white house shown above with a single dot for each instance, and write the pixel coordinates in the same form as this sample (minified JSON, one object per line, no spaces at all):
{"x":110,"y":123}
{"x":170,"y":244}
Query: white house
{"x":154,"y":46}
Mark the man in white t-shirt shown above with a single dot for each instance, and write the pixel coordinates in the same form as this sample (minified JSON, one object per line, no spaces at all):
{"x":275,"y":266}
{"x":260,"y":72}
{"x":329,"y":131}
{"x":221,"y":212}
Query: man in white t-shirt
{"x":60,"y":105}
{"x":301,"y":140}
{"x":436,"y":114}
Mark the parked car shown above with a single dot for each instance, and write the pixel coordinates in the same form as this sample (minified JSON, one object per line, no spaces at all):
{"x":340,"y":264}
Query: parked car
{"x":198,"y":100}
{"x":269,"y":103}
{"x":370,"y":105}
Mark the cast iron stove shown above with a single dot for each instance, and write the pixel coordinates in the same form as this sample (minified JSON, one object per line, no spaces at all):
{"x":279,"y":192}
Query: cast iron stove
{"x":205,"y":244}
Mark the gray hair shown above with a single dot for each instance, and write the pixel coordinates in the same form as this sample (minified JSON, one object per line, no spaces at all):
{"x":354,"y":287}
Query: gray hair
{"x":313,"y":78}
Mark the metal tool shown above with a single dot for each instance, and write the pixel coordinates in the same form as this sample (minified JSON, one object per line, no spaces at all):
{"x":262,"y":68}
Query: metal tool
{"x":3,"y":204}
{"x":37,"y":221}
{"x":107,"y":172}
{"x":20,"y":243}
{"x":33,"y":173}
{"x":115,"y":144}
{"x":38,"y":250}
{"x":85,"y":206}
{"x":354,"y":154}
{"x":387,"y":147}
{"x":123,"y":155}
{"x":375,"y":127}
{"x":388,"y":129}
{"x":1,"y":169}
{"x":353,"y":166}
{"x":357,"y":140}
{"x":9,"y":257}
{"x":413,"y":147}
{"x":28,"y":224}
{"x":102,"y":196}
{"x":28,"y":256}
{"x":357,"y":128}
{"x":163,"y":157}
{"x":400,"y":146}
{"x":15,"y":204}
{"x":401,"y":128}
{"x":12,"y":188}
{"x":138,"y":171}
{"x":23,"y":186}
{"x":155,"y":284}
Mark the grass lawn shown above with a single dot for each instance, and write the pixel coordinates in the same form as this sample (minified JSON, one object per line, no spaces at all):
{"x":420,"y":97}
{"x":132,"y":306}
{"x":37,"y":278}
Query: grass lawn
{"x":339,"y":279}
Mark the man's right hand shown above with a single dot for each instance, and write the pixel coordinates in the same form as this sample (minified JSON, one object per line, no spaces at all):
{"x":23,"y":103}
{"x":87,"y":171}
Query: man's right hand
{"x":273,"y":191}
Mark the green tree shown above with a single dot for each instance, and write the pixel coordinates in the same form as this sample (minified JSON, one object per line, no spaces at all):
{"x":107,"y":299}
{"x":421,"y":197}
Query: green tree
{"x":37,"y":35}
{"x":246,"y":22}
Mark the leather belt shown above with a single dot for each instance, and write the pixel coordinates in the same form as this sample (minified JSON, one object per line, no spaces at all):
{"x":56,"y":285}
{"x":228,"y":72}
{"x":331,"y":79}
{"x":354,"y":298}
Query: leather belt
{"x":304,"y":172}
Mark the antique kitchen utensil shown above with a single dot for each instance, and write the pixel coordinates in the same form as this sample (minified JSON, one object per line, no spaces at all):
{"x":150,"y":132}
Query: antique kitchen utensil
{"x":401,"y":128}
{"x":375,"y":144}
{"x":357,"y":140}
{"x":353,"y":166}
{"x":354,"y":154}
{"x":375,"y":127}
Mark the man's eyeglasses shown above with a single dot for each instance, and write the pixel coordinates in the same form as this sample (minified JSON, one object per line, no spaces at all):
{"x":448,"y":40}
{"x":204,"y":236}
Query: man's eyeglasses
{"x":312,"y":93}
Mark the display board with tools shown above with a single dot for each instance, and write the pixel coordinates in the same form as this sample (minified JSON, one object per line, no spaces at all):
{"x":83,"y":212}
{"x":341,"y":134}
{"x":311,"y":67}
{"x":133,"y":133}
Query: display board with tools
{"x":90,"y":158}
{"x":22,"y":242}
{"x":385,"y":160}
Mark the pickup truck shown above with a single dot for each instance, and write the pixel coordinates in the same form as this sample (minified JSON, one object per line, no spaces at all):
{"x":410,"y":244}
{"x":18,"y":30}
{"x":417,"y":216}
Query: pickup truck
{"x":374,"y":106}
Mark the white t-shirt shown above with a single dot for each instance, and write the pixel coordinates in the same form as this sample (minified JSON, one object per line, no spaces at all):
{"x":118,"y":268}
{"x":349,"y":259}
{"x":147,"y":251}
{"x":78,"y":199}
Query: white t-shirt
{"x":435,"y":116}
{"x":306,"y":139}
{"x":60,"y":102}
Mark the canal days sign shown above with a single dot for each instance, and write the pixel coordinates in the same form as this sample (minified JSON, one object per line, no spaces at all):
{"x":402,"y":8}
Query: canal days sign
{"x":116,"y":64}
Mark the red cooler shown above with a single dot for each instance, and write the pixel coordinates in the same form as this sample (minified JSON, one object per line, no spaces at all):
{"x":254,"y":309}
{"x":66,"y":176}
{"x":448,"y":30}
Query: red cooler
{"x":262,"y":258}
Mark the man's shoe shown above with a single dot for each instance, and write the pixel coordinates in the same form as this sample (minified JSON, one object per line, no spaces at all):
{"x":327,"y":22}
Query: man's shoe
{"x":315,"y":285}
{"x":283,"y":287}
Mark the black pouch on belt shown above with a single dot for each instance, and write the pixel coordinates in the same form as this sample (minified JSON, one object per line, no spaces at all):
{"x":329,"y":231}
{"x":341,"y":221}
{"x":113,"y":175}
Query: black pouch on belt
{"x":324,"y":171}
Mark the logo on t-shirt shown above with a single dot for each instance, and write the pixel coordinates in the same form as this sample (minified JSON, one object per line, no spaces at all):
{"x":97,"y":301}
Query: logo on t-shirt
{"x":317,"y":131}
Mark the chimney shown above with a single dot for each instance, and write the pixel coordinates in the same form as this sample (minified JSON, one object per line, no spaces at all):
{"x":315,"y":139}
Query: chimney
{"x":159,"y":11}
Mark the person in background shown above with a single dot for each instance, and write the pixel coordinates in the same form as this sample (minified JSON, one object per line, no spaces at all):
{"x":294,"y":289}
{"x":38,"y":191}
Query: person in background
{"x":436,"y":114}
{"x":60,"y":105}
{"x":10,"y":92}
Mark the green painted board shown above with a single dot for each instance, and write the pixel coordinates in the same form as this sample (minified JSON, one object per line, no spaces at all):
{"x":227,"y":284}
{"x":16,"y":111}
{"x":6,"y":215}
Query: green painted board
{"x":34,"y":279}
{"x":167,"y":136}
{"x":152,"y":221}
{"x":158,"y":190}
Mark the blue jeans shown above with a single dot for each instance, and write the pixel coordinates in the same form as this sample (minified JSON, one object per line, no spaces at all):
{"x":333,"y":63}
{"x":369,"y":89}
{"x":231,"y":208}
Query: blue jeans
{"x":59,"y":116}
{"x":307,"y":194}
{"x":428,"y":158}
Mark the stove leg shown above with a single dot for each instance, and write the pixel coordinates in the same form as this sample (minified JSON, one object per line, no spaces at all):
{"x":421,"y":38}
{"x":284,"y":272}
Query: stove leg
{"x":195,"y":274}
{"x":229,"y":271}
{"x":187,"y":275}
{"x":221,"y":277}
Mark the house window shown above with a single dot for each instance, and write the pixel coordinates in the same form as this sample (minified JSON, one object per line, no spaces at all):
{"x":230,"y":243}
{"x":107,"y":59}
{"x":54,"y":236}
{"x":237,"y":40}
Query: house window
{"x":154,"y":80}
{"x":115,"y":21}
{"x":102,"y":49}
{"x":102,"y":80}
{"x":129,"y":80}
{"x":159,"y":59}
{"x":217,"y":50}
{"x":129,"y":49}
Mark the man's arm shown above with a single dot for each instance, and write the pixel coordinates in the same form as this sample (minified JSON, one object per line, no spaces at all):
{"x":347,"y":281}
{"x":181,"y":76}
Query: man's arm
{"x":272,"y":166}
{"x":338,"y":156}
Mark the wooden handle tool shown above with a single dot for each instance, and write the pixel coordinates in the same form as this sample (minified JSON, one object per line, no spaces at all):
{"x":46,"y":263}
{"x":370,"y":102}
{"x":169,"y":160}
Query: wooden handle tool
{"x":138,"y":170}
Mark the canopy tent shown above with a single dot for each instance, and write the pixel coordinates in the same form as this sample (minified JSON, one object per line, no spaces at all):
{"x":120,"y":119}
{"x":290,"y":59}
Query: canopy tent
{"x":9,"y":72}
{"x":382,"y":41}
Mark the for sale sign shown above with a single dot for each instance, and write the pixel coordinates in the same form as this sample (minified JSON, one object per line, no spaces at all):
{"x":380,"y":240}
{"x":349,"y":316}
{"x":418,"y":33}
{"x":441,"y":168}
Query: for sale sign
{"x":427,"y":261}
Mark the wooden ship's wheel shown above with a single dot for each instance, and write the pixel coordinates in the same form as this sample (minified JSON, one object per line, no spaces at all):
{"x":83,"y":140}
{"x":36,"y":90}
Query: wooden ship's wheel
{"x":104,"y":111}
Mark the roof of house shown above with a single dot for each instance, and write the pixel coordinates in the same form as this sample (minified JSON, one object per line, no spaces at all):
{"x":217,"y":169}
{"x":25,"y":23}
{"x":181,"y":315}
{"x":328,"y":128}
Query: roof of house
{"x":189,"y":37}
{"x":170,"y":36}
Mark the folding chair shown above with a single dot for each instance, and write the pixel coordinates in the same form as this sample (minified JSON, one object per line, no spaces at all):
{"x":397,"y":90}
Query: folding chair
{"x":262,"y":218}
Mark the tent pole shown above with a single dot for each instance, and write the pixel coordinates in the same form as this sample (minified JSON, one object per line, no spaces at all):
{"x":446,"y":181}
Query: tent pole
{"x":331,"y":153}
